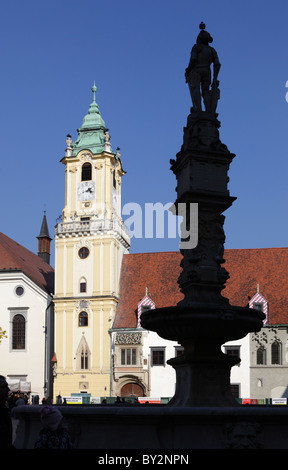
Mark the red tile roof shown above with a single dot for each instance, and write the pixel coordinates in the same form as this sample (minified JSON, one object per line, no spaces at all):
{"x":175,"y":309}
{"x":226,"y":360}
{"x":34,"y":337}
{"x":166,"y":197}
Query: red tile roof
{"x":15,"y":257}
{"x":267,"y":267}
{"x":156,"y":271}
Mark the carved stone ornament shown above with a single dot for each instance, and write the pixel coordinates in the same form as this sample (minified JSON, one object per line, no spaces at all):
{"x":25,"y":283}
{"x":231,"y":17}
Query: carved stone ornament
{"x":83,"y":385}
{"x":98,"y":165}
{"x":73,"y":169}
{"x":83,"y":243}
{"x":86,"y":157}
{"x":82,"y":304}
{"x":243,"y":435}
{"x":260,"y":338}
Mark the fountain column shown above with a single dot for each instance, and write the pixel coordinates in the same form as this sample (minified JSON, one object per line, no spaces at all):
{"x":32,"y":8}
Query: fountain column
{"x":204,"y":320}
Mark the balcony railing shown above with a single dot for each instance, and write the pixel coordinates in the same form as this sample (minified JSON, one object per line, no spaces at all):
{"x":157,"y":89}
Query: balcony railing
{"x":79,"y":227}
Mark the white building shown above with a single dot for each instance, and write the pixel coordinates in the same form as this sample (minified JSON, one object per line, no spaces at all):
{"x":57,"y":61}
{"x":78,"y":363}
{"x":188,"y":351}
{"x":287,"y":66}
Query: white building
{"x":258,"y":279}
{"x":26,"y":314}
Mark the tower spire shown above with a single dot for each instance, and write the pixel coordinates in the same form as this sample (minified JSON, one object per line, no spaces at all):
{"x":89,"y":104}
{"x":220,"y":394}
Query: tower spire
{"x":44,"y":241}
{"x":91,"y":135}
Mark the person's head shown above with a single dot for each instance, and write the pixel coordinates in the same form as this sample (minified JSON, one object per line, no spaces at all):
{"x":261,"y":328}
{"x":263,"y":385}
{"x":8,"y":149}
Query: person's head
{"x":4,"y":389}
{"x":204,"y":38}
{"x":51,"y":417}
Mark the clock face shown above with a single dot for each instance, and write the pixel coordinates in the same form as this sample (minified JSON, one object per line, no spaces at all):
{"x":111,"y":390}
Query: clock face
{"x":86,"y":190}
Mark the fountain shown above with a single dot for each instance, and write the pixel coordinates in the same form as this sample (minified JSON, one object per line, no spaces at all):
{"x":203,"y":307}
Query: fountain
{"x":204,"y":319}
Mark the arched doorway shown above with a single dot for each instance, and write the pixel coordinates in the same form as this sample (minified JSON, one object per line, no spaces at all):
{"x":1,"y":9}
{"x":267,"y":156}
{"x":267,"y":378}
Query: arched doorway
{"x":132,"y":390}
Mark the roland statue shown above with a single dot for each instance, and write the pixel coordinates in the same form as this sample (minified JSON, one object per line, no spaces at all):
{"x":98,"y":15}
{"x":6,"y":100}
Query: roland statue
{"x":198,"y":73}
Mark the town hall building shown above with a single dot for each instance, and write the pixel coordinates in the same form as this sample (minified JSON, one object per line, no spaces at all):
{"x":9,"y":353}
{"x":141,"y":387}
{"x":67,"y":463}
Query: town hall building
{"x":76,"y":330}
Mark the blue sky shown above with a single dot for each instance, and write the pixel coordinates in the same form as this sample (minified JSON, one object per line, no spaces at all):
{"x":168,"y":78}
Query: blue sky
{"x":137,"y":52}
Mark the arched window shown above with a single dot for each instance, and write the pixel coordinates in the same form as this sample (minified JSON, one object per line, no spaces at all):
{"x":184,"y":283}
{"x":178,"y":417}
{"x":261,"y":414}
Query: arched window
{"x":276,"y":353}
{"x":86,"y":173}
{"x":83,"y":355}
{"x":261,"y":356}
{"x":83,"y":319}
{"x":18,"y":332}
{"x":84,"y":358}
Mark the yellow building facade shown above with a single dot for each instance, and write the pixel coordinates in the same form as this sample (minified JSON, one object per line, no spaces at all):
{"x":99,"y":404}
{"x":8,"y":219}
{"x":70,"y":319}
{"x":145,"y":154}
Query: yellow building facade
{"x":90,"y":241}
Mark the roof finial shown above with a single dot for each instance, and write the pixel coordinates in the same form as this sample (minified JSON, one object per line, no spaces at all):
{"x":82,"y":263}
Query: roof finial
{"x":146,"y":290}
{"x":257,"y":288}
{"x":94,"y":89}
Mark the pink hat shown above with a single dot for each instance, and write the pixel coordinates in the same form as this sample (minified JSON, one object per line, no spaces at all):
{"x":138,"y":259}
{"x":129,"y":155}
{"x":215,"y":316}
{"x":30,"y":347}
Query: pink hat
{"x":51,"y":417}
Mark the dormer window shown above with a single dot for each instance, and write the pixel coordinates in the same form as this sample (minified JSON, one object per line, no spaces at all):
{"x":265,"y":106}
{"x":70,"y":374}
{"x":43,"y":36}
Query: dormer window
{"x":258,"y":302}
{"x":145,"y":304}
{"x":86,"y":174}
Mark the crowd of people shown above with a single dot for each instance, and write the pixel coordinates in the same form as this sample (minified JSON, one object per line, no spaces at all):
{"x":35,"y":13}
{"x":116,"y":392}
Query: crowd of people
{"x":53,"y":434}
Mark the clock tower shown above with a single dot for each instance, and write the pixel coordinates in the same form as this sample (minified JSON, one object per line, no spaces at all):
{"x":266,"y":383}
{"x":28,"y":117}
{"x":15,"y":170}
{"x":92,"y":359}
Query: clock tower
{"x":90,"y":241}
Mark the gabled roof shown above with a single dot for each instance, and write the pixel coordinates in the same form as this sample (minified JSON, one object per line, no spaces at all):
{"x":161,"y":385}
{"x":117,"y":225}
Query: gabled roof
{"x":15,"y":257}
{"x":265,"y":267}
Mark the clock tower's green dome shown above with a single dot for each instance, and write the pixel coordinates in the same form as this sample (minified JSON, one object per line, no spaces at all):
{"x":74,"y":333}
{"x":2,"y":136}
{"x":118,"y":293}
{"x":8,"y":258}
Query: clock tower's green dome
{"x":91,"y":133}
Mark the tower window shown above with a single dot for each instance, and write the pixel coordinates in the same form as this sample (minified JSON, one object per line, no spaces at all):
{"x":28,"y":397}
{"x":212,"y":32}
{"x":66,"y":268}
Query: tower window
{"x":86,"y":173}
{"x":83,"y":252}
{"x":114,"y":179}
{"x":83,"y":319}
{"x":83,"y":286}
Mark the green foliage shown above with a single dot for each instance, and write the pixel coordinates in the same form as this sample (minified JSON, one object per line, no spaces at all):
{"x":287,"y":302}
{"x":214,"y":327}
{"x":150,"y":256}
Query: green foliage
{"x":2,"y":334}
